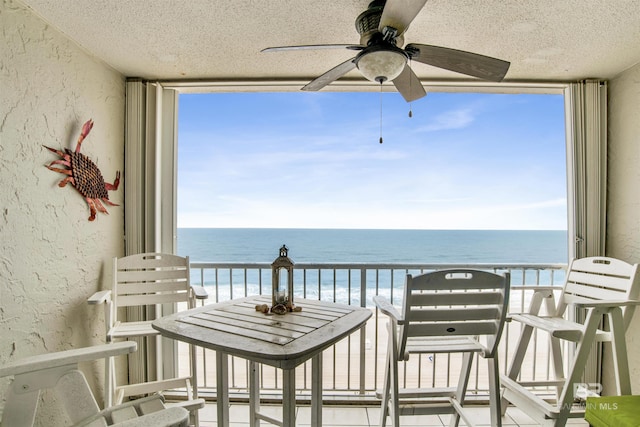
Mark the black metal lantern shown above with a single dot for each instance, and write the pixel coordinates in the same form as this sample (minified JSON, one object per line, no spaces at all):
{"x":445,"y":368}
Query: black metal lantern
{"x":282,"y":283}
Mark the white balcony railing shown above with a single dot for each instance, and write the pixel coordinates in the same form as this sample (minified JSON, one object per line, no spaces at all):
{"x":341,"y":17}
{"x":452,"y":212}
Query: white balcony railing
{"x":354,"y":367}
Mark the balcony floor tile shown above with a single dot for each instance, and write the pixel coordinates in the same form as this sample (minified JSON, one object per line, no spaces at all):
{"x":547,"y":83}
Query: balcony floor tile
{"x":360,"y":416}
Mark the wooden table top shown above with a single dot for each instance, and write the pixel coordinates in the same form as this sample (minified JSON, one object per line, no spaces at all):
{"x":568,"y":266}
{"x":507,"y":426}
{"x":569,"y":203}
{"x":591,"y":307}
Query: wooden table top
{"x":283,"y":341}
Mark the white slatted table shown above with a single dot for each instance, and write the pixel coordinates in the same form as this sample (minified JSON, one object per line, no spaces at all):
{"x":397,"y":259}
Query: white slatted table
{"x":283,"y":341}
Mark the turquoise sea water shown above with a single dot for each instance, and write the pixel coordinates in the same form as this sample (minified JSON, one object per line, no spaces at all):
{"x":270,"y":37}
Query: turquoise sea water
{"x":378,"y":246}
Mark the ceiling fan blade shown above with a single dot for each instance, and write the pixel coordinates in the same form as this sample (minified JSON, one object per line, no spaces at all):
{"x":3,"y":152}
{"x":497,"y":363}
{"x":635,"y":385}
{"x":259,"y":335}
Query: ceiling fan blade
{"x":330,"y":76}
{"x":409,"y":85}
{"x":399,"y":14}
{"x":472,"y":64}
{"x":314,"y":46}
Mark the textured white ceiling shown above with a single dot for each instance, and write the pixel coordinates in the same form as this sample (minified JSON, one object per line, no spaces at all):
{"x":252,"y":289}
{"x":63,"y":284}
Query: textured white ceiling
{"x":545,"y":40}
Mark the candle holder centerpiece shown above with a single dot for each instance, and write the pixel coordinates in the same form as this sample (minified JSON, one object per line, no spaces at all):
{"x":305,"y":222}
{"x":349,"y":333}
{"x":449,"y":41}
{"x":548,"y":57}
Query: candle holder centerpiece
{"x":282,"y":283}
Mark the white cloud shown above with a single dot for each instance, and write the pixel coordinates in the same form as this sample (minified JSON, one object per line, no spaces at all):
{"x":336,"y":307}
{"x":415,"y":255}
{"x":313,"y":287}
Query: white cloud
{"x":454,"y":119}
{"x":460,"y":214}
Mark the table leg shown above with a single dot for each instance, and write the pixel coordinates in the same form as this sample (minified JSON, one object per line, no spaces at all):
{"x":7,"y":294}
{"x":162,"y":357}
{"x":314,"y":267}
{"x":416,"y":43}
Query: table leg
{"x":288,"y":398}
{"x":316,"y":390}
{"x":254,"y":394}
{"x":222,"y":388}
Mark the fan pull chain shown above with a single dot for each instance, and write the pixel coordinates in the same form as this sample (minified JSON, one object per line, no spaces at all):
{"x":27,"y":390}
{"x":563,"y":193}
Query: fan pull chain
{"x":411,"y":102}
{"x":380,"y":111}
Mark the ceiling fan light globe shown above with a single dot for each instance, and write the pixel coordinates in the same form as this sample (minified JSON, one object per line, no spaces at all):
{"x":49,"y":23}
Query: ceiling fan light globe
{"x":381,"y":65}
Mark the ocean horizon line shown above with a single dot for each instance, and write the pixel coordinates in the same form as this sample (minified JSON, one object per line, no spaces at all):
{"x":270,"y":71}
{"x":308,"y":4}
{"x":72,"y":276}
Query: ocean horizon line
{"x":373,"y":229}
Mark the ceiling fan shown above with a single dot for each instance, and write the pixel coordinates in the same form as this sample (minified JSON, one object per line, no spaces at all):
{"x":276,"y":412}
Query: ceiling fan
{"x":381,"y":56}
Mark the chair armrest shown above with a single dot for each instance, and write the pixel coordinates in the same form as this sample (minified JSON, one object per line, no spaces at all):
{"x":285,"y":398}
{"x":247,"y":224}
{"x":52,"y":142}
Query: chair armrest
{"x":387,"y":308}
{"x":99,"y":297}
{"x":609,"y":303}
{"x":200,"y":292}
{"x":67,"y":357}
{"x":536,"y":302}
{"x":543,"y":293}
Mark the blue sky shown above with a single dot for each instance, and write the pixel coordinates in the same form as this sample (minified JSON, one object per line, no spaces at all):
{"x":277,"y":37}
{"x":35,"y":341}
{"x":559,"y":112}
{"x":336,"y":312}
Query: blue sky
{"x":313,"y":160}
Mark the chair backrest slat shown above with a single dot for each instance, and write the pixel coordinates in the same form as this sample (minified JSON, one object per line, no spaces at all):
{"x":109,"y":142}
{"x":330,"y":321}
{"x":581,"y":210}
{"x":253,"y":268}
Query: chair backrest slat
{"x":593,"y":293}
{"x":602,"y":265}
{"x":151,"y":275}
{"x":455,"y":302}
{"x":455,"y":280}
{"x":140,"y":300}
{"x":615,"y":283}
{"x":151,"y":260}
{"x":453,"y":314}
{"x":147,"y":288}
{"x":442,"y":329}
{"x":455,"y":298}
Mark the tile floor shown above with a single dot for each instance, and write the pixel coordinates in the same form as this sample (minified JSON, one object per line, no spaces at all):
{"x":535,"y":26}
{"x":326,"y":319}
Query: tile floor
{"x":359,"y":416}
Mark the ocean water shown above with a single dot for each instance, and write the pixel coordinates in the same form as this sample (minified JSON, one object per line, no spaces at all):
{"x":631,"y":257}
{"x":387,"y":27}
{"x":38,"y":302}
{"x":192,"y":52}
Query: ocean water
{"x":377,"y":246}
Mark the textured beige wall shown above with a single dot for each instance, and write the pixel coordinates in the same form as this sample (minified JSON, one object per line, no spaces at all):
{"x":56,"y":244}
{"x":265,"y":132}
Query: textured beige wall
{"x":51,"y":257}
{"x":623,"y":210}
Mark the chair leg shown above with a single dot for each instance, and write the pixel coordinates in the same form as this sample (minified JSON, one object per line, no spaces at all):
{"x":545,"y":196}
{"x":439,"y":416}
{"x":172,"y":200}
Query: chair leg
{"x":463,"y":381}
{"x":109,"y":382}
{"x":384,"y":408}
{"x":194,"y":416}
{"x":395,"y":399}
{"x":577,"y":369}
{"x":558,"y":365}
{"x":494,"y":391}
{"x":619,"y":349}
{"x":518,"y":358}
{"x":390,"y":390}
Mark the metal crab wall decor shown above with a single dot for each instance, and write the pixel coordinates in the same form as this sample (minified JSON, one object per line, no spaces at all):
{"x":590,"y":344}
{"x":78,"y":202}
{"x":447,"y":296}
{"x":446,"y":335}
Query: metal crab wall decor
{"x":84,"y":175}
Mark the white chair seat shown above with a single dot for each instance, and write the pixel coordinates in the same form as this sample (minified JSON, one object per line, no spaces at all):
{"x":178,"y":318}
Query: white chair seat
{"x":131,"y":330}
{"x":422,"y":345}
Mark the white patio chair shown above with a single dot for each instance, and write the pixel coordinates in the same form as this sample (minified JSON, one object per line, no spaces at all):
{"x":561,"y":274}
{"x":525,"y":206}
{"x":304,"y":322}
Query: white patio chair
{"x":604,"y":287}
{"x":148,"y":281}
{"x":449,"y":311}
{"x":60,"y":371}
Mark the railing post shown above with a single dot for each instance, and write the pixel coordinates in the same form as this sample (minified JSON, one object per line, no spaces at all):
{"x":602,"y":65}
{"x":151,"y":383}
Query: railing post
{"x":363,"y":330}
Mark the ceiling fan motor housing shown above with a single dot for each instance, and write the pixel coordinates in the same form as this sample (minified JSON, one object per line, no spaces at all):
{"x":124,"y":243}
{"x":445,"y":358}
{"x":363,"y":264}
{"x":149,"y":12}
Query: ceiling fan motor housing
{"x":367,"y":22}
{"x":368,"y":25}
